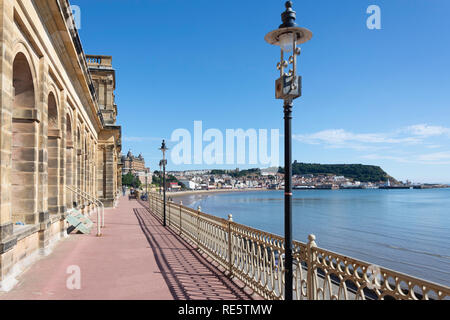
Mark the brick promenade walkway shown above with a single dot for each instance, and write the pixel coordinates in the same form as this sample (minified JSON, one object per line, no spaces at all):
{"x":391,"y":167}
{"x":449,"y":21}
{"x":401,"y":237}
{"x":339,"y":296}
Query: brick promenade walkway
{"x":136,"y":258}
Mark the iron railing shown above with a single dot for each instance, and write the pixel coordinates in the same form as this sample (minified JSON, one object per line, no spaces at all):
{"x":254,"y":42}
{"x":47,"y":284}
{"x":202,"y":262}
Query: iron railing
{"x":97,"y":203}
{"x":256,"y":258}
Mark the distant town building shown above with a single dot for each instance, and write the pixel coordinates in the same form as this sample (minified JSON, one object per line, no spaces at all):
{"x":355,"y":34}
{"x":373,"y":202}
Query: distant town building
{"x":189,"y":184}
{"x":136,"y":165}
{"x":173,"y":186}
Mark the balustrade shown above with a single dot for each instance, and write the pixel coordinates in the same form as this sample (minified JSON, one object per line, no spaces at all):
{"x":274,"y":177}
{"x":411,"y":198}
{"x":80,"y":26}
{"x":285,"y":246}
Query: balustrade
{"x":256,"y":258}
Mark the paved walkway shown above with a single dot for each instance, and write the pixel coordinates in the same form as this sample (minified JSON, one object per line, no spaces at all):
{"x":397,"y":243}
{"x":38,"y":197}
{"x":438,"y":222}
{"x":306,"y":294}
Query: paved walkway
{"x":136,"y":258}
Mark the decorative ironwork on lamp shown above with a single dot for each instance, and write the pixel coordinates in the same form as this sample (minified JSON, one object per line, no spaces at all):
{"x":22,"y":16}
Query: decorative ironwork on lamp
{"x":288,"y":36}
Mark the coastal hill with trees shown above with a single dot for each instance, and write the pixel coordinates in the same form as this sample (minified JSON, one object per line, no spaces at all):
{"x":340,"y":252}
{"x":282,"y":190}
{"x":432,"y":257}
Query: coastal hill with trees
{"x":357,"y":172}
{"x":238,"y":174}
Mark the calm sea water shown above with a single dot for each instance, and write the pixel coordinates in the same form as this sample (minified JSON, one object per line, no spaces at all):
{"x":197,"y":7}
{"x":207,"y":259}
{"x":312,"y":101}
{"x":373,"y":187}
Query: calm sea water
{"x":404,"y":230}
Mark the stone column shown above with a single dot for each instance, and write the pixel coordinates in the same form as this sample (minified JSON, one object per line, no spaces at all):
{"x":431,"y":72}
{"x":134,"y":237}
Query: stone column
{"x":42,"y":190}
{"x":69,"y":174}
{"x":91,"y":166}
{"x":94,"y":169}
{"x":108,"y":175}
{"x":53,"y":149}
{"x":62,"y":156}
{"x":82,"y":164}
{"x":100,"y":172}
{"x":84,"y":160}
{"x":7,"y":242}
{"x":43,"y":140}
{"x":78,"y":154}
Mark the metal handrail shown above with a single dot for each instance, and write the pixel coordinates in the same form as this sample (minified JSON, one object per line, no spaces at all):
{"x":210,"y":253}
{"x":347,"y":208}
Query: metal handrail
{"x":257,"y":259}
{"x":99,"y":220}
{"x":97,"y":201}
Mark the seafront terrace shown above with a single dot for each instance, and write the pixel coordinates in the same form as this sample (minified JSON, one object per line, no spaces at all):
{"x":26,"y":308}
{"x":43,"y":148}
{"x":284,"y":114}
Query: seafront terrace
{"x":201,"y":257}
{"x":136,"y":258}
{"x":255,"y":258}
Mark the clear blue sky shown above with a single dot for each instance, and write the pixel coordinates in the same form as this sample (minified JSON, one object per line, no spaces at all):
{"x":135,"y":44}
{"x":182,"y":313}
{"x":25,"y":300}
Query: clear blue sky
{"x":377,"y":97}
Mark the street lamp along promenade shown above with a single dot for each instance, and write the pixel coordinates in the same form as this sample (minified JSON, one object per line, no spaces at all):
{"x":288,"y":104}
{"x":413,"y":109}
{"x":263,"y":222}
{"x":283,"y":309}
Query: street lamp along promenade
{"x":160,"y":170}
{"x":288,"y":87}
{"x":164,"y":163}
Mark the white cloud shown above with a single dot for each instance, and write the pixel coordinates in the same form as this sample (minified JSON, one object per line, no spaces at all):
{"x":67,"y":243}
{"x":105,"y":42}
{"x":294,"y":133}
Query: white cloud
{"x":437,"y":158}
{"x":425,"y":130}
{"x":386,"y":157}
{"x":340,"y":138}
{"x":393,"y":144}
{"x":433,"y":157}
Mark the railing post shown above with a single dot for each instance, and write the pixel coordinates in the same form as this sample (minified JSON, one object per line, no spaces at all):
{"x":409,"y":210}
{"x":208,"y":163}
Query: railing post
{"x":230,"y":254}
{"x":159,"y":207}
{"x":311,"y":275}
{"x":161,"y":203}
{"x":181,"y":230}
{"x":199,"y":209}
{"x":149,"y":195}
{"x":156,"y":205}
{"x":103,"y":215}
{"x":85,"y":196}
{"x":168,"y":212}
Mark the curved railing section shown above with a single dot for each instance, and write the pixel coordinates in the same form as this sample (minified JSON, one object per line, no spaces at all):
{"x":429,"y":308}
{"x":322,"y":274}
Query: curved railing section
{"x":256,"y":258}
{"x":338,"y":277}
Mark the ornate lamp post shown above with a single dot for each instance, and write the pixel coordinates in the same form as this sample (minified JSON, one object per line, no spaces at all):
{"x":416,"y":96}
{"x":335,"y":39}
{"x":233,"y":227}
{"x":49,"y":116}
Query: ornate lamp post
{"x":288,"y":87}
{"x":160,"y":169}
{"x":164,"y":163}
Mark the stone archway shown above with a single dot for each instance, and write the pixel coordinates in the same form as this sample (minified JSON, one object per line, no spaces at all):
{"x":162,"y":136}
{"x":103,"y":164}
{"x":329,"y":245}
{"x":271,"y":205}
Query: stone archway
{"x":24,"y":144}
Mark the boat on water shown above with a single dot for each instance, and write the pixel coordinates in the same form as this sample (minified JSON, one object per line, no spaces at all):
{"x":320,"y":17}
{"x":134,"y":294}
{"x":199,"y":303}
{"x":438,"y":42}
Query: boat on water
{"x":395,"y":187}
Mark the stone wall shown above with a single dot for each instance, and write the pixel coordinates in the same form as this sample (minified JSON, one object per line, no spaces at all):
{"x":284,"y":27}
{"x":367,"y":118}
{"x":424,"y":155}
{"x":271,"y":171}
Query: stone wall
{"x":51,"y":133}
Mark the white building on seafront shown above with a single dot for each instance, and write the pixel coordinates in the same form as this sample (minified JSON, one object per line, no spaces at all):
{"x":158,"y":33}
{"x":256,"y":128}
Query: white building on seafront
{"x":189,"y":184}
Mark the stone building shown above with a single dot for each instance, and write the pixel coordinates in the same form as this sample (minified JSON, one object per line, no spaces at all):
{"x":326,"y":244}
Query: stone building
{"x":136,"y":165}
{"x":104,"y":81}
{"x":57,"y":129}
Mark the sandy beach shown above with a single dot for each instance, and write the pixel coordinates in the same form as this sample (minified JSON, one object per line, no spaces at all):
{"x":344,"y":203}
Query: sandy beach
{"x":187,"y":197}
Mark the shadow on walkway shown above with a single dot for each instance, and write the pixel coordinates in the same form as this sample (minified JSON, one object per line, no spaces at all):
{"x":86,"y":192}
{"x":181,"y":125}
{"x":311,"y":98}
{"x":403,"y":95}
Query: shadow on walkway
{"x":188,"y":275}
